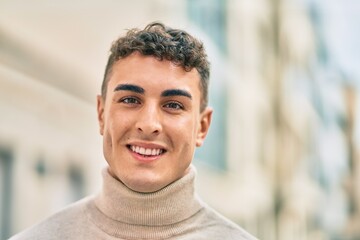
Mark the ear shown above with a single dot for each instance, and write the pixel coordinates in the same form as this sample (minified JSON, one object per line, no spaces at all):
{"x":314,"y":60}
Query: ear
{"x":205,"y":120}
{"x":100,"y":112}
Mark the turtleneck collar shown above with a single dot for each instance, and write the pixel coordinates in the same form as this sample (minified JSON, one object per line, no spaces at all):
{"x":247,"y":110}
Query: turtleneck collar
{"x":172,"y":204}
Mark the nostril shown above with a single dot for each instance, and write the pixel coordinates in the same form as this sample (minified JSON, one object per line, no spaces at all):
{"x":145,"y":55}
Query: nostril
{"x":148,"y":127}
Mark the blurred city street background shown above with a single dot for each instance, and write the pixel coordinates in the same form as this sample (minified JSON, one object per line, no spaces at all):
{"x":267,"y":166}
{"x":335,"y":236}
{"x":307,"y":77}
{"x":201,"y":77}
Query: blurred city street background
{"x":282,"y":158}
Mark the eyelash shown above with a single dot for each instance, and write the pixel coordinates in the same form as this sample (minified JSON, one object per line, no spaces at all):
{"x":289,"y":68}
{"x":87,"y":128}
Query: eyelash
{"x":134,"y":101}
{"x":178,"y":105}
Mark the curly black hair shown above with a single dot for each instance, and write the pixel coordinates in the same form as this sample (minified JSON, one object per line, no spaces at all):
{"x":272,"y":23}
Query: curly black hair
{"x":164,"y":43}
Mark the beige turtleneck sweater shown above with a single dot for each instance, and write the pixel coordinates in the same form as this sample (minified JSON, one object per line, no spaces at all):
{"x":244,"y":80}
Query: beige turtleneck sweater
{"x":174,"y":212}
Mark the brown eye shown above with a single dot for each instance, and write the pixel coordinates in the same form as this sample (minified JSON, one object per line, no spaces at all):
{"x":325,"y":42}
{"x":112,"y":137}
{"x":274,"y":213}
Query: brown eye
{"x":174,"y":105}
{"x":130,"y":100}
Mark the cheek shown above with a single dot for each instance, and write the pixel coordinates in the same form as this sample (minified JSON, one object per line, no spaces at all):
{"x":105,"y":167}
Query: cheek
{"x":195,"y":127}
{"x":107,"y":146}
{"x":185,"y":132}
{"x":186,"y":155}
{"x":113,"y":128}
{"x":116,"y":123}
{"x":108,"y":140}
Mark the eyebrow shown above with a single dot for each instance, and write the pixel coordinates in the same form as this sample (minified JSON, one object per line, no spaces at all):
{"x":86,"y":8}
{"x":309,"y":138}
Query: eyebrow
{"x":129,"y":87}
{"x":176,"y":92}
{"x":166,"y":93}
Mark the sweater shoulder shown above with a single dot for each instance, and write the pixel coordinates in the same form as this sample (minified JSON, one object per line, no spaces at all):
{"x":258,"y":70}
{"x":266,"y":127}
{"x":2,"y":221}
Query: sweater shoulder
{"x":67,"y":219}
{"x":221,"y":227}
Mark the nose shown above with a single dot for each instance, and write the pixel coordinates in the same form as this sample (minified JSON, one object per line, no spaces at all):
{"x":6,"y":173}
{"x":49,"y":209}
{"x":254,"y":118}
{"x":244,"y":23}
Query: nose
{"x":149,"y":120}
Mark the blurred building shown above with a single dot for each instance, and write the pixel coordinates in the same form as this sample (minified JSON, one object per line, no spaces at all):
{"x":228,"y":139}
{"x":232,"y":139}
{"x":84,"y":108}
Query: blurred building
{"x":282,"y":156}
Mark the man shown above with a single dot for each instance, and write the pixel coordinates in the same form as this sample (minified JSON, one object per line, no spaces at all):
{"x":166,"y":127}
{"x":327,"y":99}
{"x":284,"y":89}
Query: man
{"x":152,"y":113}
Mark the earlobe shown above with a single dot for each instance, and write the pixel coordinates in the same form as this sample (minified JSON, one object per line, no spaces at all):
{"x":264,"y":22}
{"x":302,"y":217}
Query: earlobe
{"x":205,"y":120}
{"x":100,"y":113}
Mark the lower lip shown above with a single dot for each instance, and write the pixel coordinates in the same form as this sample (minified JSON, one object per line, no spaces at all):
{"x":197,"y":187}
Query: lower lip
{"x":142,"y":158}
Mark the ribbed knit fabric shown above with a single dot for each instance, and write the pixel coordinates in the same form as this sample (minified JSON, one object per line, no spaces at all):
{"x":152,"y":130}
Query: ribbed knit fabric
{"x":117,"y":212}
{"x":170,"y":205}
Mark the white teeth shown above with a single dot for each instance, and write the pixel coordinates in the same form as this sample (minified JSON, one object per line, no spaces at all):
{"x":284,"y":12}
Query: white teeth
{"x":146,"y":151}
{"x":153,"y":152}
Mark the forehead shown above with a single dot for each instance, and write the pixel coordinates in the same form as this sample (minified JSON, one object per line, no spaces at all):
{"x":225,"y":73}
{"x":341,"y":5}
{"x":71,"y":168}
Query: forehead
{"x":149,"y":72}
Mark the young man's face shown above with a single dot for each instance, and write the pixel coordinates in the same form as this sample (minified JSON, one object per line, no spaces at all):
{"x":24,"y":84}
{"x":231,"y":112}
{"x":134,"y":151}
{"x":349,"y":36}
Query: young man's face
{"x":151,"y":121}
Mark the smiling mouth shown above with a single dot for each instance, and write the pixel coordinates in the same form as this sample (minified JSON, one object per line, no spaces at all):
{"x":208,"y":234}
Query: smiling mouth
{"x":146,"y":152}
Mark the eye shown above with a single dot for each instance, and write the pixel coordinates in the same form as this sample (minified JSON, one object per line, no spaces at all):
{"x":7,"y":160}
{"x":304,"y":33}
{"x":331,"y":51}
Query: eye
{"x":174,"y":105}
{"x":130,"y":100}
